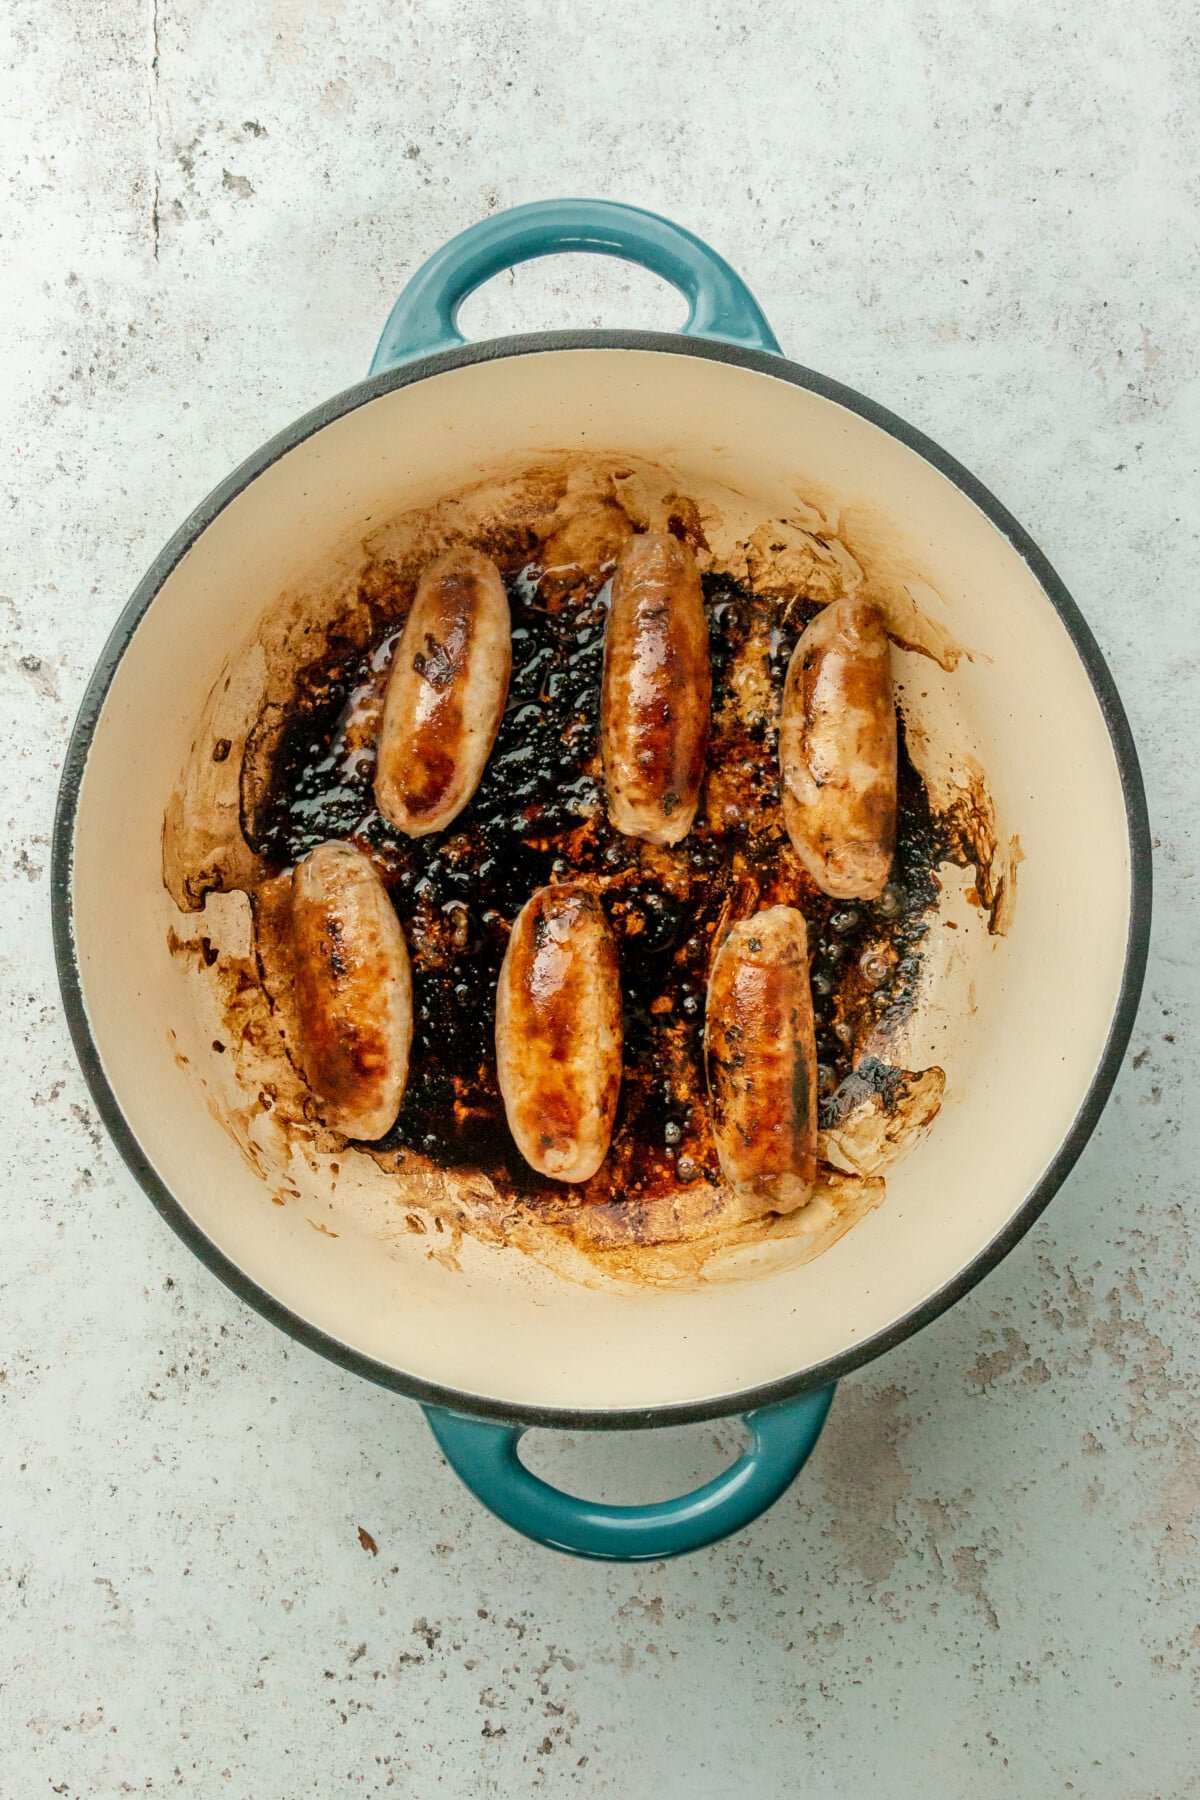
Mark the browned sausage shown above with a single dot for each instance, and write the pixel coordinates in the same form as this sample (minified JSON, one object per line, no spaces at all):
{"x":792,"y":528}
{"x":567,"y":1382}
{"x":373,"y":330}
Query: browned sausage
{"x":445,"y":693}
{"x":761,"y":1056}
{"x":558,"y":1033}
{"x":657,"y":691}
{"x":353,"y":990}
{"x":837,"y":751}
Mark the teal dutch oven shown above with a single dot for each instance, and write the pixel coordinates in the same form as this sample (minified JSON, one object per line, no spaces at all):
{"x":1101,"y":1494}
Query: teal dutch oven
{"x":487,"y":1342}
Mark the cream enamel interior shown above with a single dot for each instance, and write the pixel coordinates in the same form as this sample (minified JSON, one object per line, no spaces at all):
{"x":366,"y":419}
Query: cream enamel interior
{"x":1020,"y":1053}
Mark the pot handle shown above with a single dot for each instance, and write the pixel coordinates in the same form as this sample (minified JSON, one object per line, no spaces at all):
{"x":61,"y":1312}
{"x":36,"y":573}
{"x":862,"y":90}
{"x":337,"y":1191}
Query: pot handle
{"x":424,"y":319}
{"x":483,"y":1454}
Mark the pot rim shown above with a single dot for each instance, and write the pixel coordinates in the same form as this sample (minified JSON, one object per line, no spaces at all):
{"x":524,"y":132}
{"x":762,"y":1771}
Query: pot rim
{"x":568,"y":1418}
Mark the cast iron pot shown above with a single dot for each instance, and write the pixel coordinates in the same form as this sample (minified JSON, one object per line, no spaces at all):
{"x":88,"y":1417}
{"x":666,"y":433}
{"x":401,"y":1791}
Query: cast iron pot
{"x":495,"y":1348}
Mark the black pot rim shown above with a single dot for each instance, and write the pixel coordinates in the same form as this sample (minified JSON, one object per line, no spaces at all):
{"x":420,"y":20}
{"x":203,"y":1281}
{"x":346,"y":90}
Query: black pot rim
{"x":771,"y":1393}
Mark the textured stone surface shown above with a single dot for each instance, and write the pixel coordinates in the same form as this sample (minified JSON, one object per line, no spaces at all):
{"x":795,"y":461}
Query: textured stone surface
{"x":224,"y":1566}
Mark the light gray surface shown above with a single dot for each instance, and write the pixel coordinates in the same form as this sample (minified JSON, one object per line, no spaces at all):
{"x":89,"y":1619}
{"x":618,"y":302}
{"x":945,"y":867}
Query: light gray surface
{"x":986,"y":1583}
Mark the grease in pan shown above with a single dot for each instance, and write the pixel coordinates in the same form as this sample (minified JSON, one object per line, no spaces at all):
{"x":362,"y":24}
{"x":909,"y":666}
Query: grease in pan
{"x":538,"y":816}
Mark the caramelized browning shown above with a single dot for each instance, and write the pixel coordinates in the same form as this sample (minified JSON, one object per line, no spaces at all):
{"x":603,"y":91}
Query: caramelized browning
{"x":353,"y":990}
{"x":654,"y":707}
{"x":760,"y":1047}
{"x":558,"y":1033}
{"x":445,"y":693}
{"x":837,"y":751}
{"x":584,"y":549}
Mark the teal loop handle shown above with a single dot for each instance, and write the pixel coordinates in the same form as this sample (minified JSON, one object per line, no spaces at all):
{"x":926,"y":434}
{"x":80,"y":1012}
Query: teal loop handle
{"x":483,"y":1455}
{"x":424,"y":319}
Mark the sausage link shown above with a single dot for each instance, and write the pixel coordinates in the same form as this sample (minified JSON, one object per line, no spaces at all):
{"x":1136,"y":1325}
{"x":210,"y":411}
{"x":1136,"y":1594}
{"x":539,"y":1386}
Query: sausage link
{"x":837,"y":751}
{"x":761,"y":1057}
{"x":558,"y":1033}
{"x":657,"y":691}
{"x":353,"y":990}
{"x":445,"y":694}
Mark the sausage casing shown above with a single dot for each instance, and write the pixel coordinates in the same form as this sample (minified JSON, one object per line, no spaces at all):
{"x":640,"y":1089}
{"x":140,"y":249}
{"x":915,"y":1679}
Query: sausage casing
{"x":657,"y":691}
{"x":837,"y":751}
{"x":558,"y":1033}
{"x":761,"y":1058}
{"x":446,"y":693}
{"x":353,"y":990}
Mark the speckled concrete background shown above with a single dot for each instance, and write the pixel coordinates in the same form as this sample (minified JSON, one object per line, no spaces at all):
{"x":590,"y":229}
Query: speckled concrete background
{"x":224,"y":1566}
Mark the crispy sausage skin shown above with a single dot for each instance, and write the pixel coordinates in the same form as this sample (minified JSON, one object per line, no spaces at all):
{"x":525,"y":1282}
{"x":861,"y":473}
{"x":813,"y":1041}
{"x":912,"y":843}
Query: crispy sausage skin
{"x":761,"y":1057}
{"x":445,"y":693}
{"x":558,"y":1033}
{"x":837,"y":751}
{"x":657,"y":692}
{"x":353,"y":990}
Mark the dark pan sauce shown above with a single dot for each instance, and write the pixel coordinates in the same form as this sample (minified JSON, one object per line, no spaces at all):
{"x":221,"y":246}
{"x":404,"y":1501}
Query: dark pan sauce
{"x":539,"y":816}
